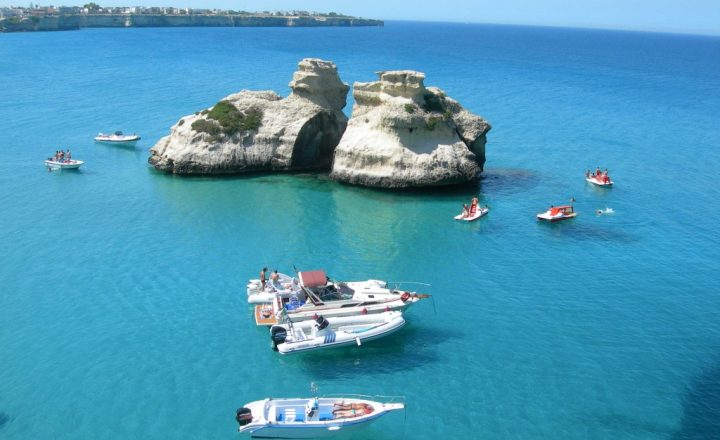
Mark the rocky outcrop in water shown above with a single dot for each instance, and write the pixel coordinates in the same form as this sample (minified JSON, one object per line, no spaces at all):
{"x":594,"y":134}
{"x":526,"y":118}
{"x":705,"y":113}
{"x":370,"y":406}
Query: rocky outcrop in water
{"x":260,"y":131}
{"x":402,"y":134}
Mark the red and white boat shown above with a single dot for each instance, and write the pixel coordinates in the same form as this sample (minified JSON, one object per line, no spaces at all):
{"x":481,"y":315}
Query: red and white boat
{"x":557,"y":213}
{"x":601,"y":179}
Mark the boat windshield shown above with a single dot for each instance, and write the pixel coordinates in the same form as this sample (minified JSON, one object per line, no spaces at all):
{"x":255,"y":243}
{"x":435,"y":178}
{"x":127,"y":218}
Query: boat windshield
{"x":332,"y":293}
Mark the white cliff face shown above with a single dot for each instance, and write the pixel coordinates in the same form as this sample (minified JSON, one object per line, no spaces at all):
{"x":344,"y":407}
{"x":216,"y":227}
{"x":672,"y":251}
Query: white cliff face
{"x":402,"y":134}
{"x":257,"y":131}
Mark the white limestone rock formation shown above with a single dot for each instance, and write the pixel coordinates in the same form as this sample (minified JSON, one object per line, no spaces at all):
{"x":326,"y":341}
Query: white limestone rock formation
{"x":259,"y":130}
{"x":402,"y":134}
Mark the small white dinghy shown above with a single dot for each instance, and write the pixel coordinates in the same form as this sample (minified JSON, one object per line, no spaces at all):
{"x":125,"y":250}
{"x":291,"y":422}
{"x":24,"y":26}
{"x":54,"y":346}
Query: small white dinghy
{"x":64,"y":164}
{"x":481,"y":211}
{"x":296,"y":337}
{"x":313,"y":417}
{"x":117,"y":138}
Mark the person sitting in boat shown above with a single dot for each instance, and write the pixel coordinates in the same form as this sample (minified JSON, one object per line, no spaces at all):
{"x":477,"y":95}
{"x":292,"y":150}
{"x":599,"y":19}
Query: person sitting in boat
{"x":465,"y":211}
{"x":275,"y":280}
{"x":598,"y":173}
{"x":473,"y":205}
{"x":587,"y":174}
{"x":312,"y":406}
{"x":605,"y":176}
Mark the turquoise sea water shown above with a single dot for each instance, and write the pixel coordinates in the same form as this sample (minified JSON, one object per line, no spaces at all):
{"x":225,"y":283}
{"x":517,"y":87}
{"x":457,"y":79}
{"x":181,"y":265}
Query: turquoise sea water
{"x":122,"y":304}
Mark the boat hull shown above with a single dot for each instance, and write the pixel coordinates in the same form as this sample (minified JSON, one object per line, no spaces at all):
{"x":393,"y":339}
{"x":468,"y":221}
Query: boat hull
{"x":555,"y":219}
{"x":267,"y":422}
{"x":479,"y":213}
{"x":595,"y":182}
{"x":345,"y":331}
{"x":130,"y":143}
{"x":69,"y":165}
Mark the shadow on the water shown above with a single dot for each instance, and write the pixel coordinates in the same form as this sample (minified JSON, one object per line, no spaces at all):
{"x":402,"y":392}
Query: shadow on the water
{"x":4,"y":419}
{"x":498,"y":181}
{"x":575,"y":230}
{"x":505,"y":181}
{"x":701,"y":407}
{"x":410,"y":348}
{"x":625,"y":423}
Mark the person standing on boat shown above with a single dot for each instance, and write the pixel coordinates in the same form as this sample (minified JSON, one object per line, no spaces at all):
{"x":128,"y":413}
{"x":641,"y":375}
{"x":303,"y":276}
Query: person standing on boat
{"x":69,"y":157}
{"x":263,"y":279}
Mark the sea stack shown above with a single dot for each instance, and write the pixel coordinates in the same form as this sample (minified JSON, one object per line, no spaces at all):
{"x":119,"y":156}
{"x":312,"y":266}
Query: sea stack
{"x":260,"y":131}
{"x":402,"y":134}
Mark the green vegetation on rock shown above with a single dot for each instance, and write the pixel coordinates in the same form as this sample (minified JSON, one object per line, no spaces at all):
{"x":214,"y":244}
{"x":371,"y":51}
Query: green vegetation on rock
{"x":410,"y":108}
{"x":229,"y":119}
{"x":431,"y":122}
{"x":205,"y":126}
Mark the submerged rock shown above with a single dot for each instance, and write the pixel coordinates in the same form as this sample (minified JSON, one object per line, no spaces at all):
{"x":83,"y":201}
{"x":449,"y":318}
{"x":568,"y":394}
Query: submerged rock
{"x":402,"y":134}
{"x":259,"y":130}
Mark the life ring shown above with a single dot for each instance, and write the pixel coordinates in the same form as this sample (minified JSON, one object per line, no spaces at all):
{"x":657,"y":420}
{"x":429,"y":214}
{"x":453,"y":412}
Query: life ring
{"x":405,"y":296}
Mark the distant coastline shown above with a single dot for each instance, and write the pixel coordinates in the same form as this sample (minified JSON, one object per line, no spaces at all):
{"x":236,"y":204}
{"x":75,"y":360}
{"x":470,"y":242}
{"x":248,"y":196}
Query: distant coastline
{"x":34,"y":23}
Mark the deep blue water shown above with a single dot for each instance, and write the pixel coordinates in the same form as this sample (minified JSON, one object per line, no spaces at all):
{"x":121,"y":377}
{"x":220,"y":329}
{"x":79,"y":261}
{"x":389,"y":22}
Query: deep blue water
{"x":122,"y":304}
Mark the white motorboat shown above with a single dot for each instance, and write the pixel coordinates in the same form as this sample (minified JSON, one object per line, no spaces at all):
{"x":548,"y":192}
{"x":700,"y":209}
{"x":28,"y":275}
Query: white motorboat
{"x":63,"y":164}
{"x":313,"y":417}
{"x":481,"y":211}
{"x":316,"y":288}
{"x":557,"y":213}
{"x":117,"y":138}
{"x":296,"y":337}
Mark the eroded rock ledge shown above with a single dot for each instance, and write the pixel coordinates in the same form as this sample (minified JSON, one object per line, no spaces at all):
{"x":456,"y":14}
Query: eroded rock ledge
{"x":402,"y":134}
{"x":260,"y":131}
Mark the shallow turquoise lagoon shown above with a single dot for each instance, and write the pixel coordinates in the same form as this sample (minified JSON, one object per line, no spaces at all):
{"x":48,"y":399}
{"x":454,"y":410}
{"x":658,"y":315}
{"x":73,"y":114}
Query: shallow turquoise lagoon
{"x":122,"y":304}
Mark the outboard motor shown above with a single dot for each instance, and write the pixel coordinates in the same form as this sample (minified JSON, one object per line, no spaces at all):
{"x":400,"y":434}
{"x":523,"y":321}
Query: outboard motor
{"x":321,"y":322}
{"x":243,"y":416}
{"x":278,"y":335}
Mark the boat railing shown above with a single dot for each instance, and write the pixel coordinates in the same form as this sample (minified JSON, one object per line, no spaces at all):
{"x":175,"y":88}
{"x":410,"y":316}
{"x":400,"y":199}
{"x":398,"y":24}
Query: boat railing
{"x":378,"y":398}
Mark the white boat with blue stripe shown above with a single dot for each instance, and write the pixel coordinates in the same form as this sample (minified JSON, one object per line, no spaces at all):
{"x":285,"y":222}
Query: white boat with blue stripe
{"x":295,"y":337}
{"x":313,"y":417}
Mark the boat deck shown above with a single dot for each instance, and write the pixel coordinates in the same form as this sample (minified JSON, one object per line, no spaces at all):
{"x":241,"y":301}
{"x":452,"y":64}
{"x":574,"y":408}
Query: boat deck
{"x":264,"y":315}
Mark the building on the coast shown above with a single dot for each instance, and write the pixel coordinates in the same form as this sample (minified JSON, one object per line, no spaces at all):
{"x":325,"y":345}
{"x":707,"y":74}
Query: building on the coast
{"x":69,"y":10}
{"x":43,"y":11}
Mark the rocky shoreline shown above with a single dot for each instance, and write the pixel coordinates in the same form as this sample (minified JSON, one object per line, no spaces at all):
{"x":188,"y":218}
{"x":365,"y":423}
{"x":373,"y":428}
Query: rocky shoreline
{"x":401,"y":134}
{"x":75,"y":22}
